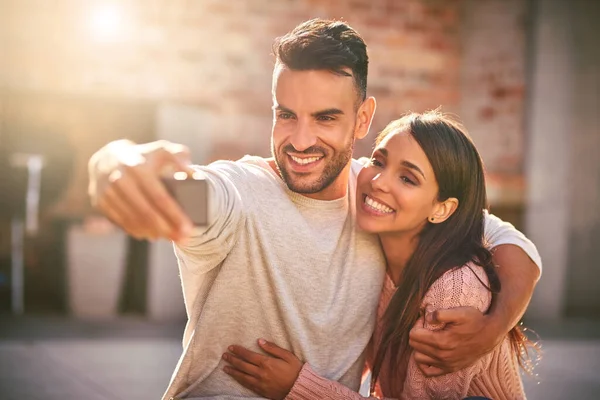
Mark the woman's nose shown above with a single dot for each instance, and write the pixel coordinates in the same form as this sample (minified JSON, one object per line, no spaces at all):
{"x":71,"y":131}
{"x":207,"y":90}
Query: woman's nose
{"x":379,"y":182}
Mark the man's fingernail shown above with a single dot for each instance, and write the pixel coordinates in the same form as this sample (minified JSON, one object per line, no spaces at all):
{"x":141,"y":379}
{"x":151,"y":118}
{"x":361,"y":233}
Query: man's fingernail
{"x":230,"y":348}
{"x":262,"y":342}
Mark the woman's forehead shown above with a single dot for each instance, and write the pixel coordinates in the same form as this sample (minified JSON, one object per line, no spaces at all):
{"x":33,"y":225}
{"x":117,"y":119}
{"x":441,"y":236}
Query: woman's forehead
{"x":402,"y":145}
{"x":397,"y":138}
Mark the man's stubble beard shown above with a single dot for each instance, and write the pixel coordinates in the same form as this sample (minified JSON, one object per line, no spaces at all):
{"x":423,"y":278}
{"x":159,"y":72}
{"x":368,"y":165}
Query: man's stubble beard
{"x":332,"y":170}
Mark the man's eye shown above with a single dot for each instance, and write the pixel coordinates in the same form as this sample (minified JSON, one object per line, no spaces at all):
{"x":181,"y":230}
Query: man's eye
{"x":325,"y":118}
{"x":284,"y":116}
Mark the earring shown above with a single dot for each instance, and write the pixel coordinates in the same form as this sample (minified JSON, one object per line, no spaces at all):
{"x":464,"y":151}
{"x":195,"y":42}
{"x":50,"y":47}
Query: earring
{"x":432,"y":219}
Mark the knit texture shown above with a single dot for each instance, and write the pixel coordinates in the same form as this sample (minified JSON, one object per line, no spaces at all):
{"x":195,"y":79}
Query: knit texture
{"x":495,"y":375}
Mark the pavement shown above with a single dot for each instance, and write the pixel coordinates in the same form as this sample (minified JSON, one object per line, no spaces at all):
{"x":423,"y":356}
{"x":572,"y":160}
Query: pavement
{"x":52,"y":358}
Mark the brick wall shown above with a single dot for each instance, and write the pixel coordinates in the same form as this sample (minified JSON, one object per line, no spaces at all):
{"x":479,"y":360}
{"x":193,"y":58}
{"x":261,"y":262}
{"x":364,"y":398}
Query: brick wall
{"x":493,"y":92}
{"x":215,"y":56}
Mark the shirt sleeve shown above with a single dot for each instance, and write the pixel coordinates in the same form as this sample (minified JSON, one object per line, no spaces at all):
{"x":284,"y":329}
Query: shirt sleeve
{"x":209,"y":245}
{"x":498,"y":232}
{"x":459,"y":287}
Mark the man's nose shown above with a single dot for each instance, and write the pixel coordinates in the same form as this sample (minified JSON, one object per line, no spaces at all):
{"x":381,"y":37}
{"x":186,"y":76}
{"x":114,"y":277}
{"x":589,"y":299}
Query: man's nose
{"x":302,"y":138}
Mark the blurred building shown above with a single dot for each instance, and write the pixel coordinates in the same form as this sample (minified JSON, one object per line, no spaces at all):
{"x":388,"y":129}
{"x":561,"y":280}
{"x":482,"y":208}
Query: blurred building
{"x":521,"y":74}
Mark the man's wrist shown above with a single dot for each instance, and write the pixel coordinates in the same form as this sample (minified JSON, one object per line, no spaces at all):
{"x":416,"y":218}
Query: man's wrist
{"x":495,"y":329}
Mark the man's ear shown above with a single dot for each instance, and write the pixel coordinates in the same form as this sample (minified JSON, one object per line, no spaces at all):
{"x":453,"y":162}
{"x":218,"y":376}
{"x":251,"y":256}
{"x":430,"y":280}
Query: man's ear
{"x":443,"y":210}
{"x":365,"y":114}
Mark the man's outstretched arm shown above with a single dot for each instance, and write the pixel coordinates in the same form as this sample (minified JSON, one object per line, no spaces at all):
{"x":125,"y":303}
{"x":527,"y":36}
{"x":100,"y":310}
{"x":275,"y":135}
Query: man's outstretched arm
{"x":125,"y":185}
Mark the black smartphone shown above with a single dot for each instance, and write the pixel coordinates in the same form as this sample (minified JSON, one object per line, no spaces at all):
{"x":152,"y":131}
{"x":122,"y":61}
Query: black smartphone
{"x":191,"y":192}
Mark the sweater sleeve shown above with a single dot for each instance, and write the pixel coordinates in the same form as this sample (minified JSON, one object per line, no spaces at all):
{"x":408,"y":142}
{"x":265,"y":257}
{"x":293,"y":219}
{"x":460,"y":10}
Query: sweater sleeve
{"x":459,"y":287}
{"x":209,"y":245}
{"x":498,"y":232}
{"x":311,"y":386}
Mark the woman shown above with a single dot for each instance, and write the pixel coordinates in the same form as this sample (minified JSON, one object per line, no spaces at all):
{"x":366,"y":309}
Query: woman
{"x":423,"y":193}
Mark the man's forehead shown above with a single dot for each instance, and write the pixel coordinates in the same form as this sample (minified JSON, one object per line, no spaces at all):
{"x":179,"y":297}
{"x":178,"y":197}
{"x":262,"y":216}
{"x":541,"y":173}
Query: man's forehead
{"x":314,"y":86}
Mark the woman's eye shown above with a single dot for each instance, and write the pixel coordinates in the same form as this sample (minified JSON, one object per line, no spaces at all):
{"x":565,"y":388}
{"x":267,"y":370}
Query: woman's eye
{"x":407,"y":180}
{"x":375,"y":162}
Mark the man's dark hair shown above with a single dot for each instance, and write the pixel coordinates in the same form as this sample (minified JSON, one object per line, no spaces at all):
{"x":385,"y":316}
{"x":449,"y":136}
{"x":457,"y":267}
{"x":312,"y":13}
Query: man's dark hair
{"x":330,"y":45}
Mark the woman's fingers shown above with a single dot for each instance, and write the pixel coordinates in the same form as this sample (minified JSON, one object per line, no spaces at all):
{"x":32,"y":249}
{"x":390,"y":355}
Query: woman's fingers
{"x":248,"y":355}
{"x":274,"y":350}
{"x":241,"y":364}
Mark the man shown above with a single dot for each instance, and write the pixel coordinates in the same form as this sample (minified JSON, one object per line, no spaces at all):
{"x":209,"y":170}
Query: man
{"x":281,"y":258}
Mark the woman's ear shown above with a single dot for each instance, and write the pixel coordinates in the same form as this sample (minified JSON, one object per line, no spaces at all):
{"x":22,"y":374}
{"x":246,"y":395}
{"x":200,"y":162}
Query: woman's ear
{"x":443,"y":210}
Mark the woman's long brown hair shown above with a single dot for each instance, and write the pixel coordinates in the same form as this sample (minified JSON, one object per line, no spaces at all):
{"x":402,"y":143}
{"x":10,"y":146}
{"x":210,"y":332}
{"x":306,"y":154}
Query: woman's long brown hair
{"x":459,"y":172}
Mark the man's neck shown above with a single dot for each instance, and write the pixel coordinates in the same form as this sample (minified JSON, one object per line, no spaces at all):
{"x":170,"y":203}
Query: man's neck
{"x":336,"y":190}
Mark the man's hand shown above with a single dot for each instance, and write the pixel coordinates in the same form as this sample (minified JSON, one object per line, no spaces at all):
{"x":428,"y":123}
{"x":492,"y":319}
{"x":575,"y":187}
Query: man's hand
{"x":125,"y":185}
{"x":271,"y":376}
{"x":468,"y":334}
{"x":461,"y":343}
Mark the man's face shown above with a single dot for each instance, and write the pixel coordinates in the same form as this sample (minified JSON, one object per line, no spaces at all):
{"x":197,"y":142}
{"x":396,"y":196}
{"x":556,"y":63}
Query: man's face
{"x":314,"y":123}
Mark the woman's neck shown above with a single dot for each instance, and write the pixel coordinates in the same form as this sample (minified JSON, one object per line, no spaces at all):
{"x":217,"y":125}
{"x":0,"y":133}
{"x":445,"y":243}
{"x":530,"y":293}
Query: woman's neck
{"x":398,"y":249}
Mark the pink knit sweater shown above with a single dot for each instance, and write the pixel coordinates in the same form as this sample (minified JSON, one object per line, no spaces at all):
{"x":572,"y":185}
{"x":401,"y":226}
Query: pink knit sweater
{"x":495,"y":375}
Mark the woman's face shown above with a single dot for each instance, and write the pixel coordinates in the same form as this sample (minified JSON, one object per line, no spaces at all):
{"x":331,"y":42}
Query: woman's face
{"x":397,"y":191}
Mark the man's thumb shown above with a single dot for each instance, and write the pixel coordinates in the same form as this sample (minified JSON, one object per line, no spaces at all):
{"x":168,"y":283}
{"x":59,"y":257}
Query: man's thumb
{"x":432,"y":317}
{"x":456,"y":315}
